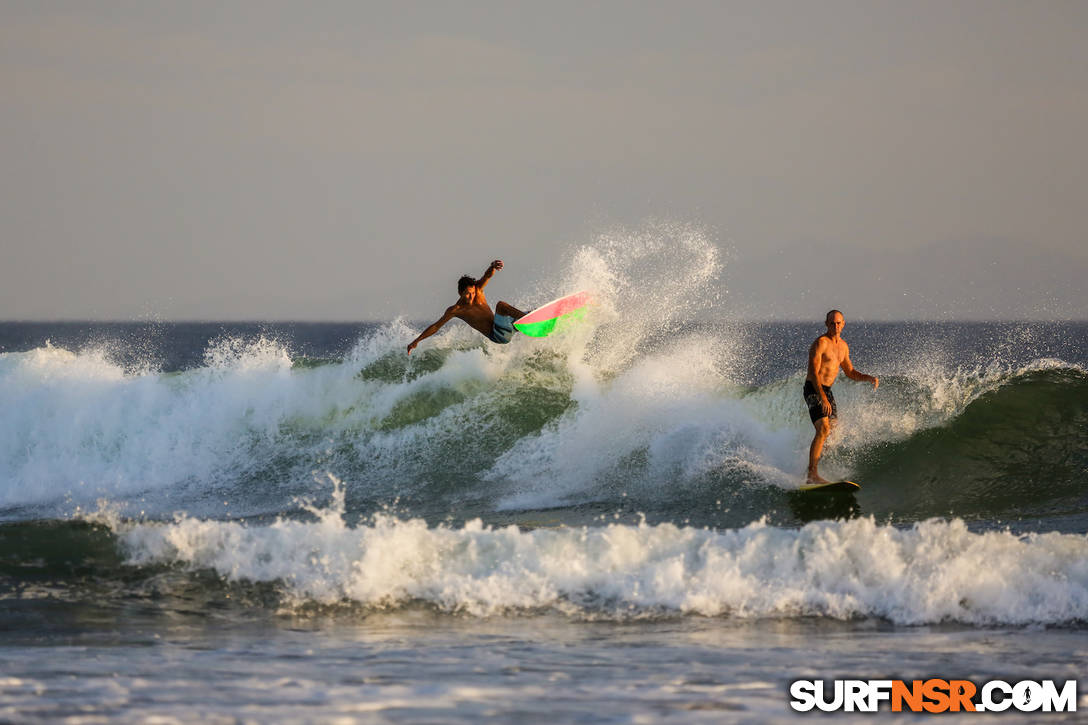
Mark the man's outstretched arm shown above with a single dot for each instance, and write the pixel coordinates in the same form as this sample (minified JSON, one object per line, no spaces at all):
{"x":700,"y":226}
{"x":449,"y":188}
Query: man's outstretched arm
{"x":848,"y":369}
{"x":433,"y":328}
{"x":486,"y":276}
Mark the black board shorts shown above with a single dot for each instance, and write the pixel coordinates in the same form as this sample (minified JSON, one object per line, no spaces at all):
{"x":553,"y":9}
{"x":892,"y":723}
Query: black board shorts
{"x":812,"y":399}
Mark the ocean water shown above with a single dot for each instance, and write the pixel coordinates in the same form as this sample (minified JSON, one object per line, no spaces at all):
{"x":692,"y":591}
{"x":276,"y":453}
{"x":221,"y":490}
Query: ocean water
{"x":210,"y":522}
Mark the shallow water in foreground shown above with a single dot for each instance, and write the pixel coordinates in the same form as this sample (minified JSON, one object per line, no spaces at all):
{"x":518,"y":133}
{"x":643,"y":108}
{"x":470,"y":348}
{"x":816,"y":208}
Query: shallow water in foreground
{"x":417,"y":666}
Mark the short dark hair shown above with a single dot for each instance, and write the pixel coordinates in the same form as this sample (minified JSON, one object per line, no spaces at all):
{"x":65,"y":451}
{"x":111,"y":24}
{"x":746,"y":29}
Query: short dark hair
{"x":834,"y":312}
{"x":464,"y":283}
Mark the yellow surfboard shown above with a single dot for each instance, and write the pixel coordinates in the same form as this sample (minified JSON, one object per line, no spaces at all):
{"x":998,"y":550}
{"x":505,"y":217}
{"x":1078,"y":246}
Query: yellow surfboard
{"x":832,"y":487}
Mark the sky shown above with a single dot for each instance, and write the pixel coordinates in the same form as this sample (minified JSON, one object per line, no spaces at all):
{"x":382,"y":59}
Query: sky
{"x":346,"y":160}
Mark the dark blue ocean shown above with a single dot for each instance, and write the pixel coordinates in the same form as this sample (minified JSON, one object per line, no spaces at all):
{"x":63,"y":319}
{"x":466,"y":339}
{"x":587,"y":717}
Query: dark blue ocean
{"x":297,"y":522}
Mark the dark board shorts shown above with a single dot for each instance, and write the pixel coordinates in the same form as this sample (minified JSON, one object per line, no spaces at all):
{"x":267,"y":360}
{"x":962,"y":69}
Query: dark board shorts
{"x":812,"y":399}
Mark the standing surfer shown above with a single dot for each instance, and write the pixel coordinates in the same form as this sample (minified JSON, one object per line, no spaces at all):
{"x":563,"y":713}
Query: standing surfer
{"x":826,"y":355}
{"x":472,"y":308}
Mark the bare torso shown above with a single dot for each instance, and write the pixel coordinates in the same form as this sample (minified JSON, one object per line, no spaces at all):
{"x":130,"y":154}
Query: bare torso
{"x":476,"y":314}
{"x":828,"y":354}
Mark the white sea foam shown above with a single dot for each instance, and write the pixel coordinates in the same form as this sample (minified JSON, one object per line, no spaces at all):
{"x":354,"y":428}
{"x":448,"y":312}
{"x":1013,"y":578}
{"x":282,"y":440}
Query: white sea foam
{"x":78,"y":425}
{"x":932,"y":572}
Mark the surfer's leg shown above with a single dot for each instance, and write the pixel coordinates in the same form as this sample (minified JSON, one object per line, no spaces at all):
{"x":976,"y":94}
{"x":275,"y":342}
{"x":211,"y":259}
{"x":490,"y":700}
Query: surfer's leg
{"x":510,"y":311}
{"x":823,"y":428}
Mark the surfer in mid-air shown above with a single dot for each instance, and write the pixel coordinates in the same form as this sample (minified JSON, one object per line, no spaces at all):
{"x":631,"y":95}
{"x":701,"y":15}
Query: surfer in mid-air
{"x":471,"y":306}
{"x":826,"y":355}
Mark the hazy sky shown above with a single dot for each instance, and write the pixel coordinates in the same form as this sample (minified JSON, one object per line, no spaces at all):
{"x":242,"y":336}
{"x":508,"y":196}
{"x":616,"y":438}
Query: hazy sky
{"x":349,"y":160}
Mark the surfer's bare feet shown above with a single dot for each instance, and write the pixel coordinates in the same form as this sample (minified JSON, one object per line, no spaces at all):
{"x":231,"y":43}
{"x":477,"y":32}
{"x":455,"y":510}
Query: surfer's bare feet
{"x":816,"y":478}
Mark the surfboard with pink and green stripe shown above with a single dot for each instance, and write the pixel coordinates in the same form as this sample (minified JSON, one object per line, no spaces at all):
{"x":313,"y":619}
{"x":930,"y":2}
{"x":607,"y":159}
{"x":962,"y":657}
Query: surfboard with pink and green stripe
{"x":545,"y":319}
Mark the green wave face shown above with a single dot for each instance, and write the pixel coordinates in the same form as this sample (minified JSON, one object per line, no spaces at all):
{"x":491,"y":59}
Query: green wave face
{"x":1021,"y":449}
